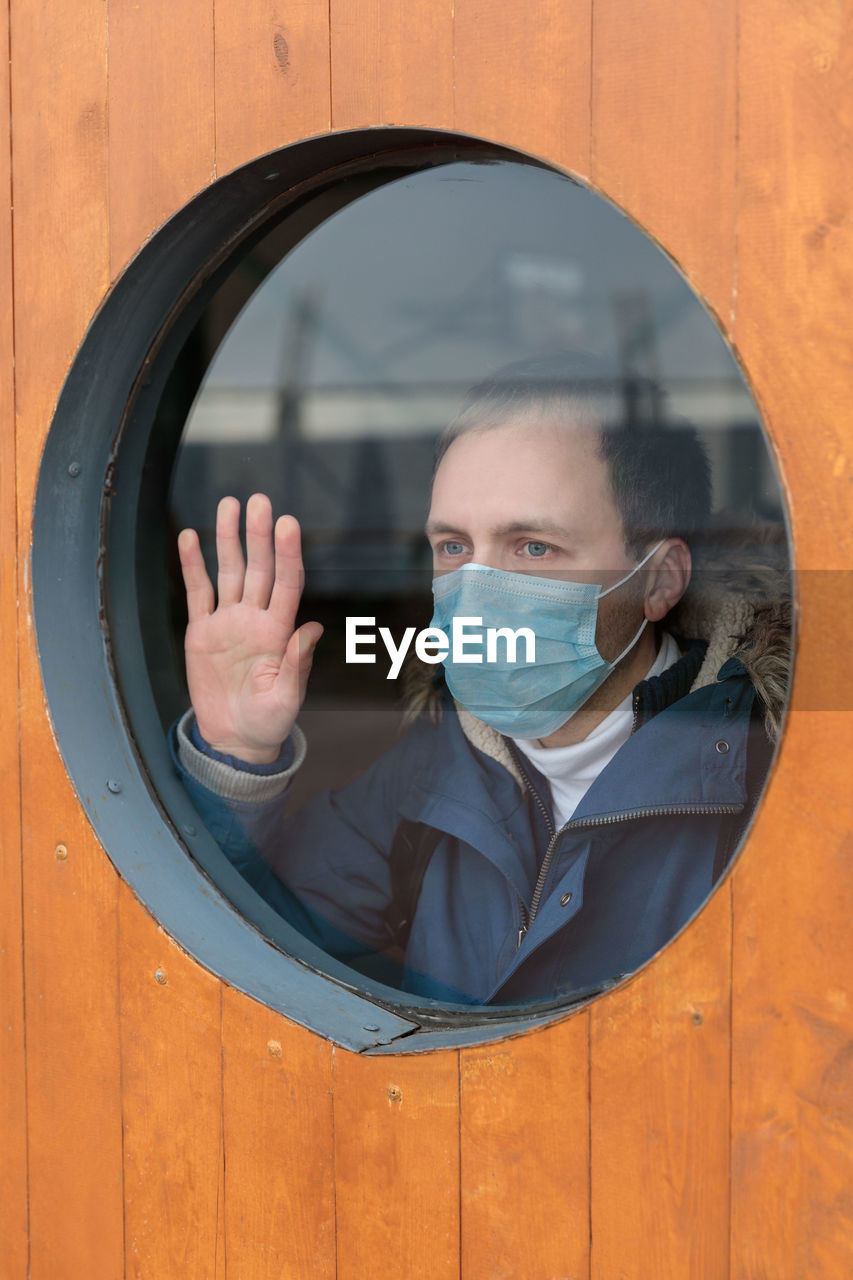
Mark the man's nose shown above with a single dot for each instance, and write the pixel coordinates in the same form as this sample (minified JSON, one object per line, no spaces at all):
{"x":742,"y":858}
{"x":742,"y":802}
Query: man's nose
{"x":490,"y":554}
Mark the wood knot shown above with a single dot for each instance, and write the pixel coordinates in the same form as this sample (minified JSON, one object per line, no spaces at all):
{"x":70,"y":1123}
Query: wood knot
{"x":817,"y":236}
{"x":282,"y":52}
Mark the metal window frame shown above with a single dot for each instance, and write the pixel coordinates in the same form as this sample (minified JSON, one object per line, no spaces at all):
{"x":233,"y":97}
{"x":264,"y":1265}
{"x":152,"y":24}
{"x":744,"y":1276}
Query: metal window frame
{"x":86,"y":616}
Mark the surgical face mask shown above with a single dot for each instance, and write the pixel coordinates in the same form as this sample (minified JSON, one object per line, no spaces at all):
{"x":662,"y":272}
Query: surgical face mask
{"x":524,"y":700}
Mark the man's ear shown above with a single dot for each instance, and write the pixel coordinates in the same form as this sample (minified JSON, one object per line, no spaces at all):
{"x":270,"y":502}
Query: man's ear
{"x":668,"y":576}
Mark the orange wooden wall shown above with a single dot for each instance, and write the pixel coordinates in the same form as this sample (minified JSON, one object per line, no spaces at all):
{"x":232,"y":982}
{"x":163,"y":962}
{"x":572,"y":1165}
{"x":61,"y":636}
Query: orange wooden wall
{"x":696,"y":1122}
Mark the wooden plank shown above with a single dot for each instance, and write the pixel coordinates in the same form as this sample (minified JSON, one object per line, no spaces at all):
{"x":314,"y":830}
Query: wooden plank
{"x":524,"y":1145}
{"x":74,"y":1102}
{"x":355,"y":43}
{"x":397,"y":1165}
{"x":58,"y":94}
{"x":60,"y":180}
{"x":792,"y":1012}
{"x":161,"y":116}
{"x":272,"y":78}
{"x":659,"y":1111}
{"x":171,"y":1064}
{"x":796,"y":260}
{"x":279,"y":1146}
{"x":792,"y":1024}
{"x":663,"y":129}
{"x":391,"y":63}
{"x":523,"y":77}
{"x":13,"y":1110}
{"x":219,"y":1261}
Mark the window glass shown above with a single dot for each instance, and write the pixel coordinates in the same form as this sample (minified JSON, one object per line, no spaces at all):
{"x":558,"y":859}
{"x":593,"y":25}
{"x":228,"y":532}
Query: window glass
{"x":549,"y":836}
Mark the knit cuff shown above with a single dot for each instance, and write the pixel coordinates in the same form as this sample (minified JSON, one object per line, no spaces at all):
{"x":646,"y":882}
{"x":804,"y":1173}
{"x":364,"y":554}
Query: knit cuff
{"x":228,"y":782}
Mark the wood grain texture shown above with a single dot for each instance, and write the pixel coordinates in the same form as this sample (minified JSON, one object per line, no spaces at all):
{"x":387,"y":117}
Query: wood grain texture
{"x":523,"y":77}
{"x":13,"y":1109}
{"x":795,"y":273}
{"x":171,"y":1087}
{"x":663,"y":129}
{"x":70,"y":928}
{"x":73,"y":1066}
{"x":792,"y":1028}
{"x":161,"y":116}
{"x":392,"y":63}
{"x":792,"y":1017}
{"x":272,"y":78}
{"x":59,"y":140}
{"x":397,"y":1165}
{"x":279,"y":1146}
{"x":234,"y":1162}
{"x":659,"y":1111}
{"x":524,"y":1155}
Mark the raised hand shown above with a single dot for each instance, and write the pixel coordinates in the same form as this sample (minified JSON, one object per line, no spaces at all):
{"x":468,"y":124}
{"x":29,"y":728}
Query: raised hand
{"x":247,"y":667}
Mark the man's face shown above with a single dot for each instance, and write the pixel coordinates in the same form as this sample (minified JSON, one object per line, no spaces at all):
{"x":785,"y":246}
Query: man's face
{"x":533,"y":496}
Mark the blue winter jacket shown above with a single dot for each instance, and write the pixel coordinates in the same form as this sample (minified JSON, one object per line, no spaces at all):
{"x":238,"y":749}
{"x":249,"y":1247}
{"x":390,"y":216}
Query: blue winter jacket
{"x":637,"y":859}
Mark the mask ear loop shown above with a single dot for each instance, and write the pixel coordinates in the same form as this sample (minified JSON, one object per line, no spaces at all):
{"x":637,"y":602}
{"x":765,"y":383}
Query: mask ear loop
{"x":636,"y":569}
{"x":628,"y":648}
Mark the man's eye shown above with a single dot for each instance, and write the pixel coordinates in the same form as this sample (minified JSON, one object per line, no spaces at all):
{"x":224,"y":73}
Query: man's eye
{"x":452,"y":548}
{"x":537,"y":549}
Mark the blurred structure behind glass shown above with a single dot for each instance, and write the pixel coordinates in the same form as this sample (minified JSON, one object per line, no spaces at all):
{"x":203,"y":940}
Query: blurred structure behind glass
{"x":322,"y":377}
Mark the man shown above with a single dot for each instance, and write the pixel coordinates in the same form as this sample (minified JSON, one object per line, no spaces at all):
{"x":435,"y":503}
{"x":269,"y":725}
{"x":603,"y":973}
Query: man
{"x":556,"y":821}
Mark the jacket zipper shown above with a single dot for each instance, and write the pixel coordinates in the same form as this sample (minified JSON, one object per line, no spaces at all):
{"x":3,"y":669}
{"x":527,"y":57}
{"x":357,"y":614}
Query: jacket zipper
{"x":528,"y":914}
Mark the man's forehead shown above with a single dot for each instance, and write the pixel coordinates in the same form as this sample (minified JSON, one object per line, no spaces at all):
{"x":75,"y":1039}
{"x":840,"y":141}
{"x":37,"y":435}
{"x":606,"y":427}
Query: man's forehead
{"x":524,"y":475}
{"x":520,"y":455}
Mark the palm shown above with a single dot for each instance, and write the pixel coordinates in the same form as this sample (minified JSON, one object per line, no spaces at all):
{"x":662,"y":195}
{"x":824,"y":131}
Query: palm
{"x":246,"y":665}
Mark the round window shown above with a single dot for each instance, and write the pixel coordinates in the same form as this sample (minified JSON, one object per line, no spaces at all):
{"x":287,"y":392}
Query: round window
{"x":440,"y":425}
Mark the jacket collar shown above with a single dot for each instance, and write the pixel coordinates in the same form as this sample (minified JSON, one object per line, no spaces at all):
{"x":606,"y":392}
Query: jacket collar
{"x":688,"y":756}
{"x":674,"y":763}
{"x":650,"y":698}
{"x":655,"y":695}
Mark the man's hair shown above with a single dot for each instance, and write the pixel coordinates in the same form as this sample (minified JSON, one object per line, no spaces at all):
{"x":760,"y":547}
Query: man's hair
{"x":658,"y":468}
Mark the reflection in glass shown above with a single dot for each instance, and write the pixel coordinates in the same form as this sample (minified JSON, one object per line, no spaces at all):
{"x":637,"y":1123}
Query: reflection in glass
{"x":322,"y":375}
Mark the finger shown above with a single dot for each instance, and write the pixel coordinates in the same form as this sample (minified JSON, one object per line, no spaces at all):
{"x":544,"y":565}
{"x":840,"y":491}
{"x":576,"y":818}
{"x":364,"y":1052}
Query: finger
{"x":229,"y":552}
{"x":289,"y":574}
{"x":260,"y":560}
{"x":199,"y":588}
{"x":299,"y":656}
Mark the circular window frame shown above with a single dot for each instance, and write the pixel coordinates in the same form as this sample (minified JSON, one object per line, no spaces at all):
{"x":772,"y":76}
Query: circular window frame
{"x":85,"y":524}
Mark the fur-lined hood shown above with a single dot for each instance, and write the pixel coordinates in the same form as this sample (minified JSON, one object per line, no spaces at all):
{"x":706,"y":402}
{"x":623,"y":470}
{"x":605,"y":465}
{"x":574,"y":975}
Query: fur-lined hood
{"x":739,"y":601}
